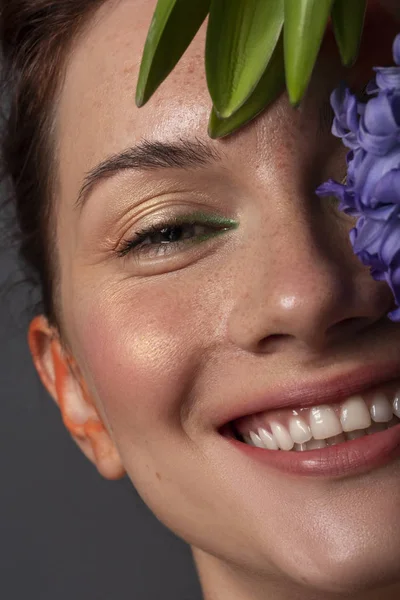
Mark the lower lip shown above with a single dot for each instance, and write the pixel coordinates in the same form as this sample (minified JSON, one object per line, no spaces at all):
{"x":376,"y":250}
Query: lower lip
{"x":350,"y":458}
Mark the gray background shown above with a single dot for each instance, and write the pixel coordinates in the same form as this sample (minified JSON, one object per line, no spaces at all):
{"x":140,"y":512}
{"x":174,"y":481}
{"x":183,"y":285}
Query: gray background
{"x":65,"y":532}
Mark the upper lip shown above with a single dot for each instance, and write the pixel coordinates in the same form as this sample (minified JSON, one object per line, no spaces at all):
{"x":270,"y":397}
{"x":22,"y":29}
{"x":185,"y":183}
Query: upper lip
{"x":320,"y":390}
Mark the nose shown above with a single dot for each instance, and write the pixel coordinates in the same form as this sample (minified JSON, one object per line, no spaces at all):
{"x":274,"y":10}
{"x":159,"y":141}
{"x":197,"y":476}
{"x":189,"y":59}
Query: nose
{"x":306,"y":288}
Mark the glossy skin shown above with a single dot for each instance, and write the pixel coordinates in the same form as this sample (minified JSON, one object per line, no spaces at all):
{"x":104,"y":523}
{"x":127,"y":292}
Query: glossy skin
{"x":149,"y":349}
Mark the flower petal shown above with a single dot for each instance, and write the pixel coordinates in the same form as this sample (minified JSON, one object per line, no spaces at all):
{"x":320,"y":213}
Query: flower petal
{"x":372,"y":87}
{"x":396,"y":49}
{"x":387,"y":78}
{"x":367,"y":236}
{"x":372,"y":193}
{"x":378,"y":116}
{"x":378,"y":131}
{"x":331,"y":188}
{"x":369,"y":169}
{"x":387,"y":190}
{"x":390,"y":243}
{"x":394,"y":315}
{"x":348,"y":203}
{"x":345,"y":107}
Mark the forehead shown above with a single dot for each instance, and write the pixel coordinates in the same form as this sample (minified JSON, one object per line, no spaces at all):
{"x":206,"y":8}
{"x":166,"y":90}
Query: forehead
{"x":97,"y":115}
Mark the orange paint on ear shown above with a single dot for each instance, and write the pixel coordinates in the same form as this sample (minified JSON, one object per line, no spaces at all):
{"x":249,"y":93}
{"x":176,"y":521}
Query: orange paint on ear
{"x":92,"y":430}
{"x":62,"y":379}
{"x":62,"y":371}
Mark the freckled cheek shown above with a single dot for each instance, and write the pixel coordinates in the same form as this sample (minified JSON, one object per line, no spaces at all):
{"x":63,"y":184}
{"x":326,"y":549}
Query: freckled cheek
{"x":139,"y":357}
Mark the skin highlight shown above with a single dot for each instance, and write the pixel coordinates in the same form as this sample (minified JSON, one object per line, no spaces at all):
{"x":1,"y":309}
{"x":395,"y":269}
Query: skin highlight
{"x":150,"y":347}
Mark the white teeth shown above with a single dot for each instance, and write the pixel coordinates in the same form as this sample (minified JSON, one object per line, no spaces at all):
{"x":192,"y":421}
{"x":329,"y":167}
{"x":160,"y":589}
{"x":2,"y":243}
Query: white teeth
{"x":324,"y":422}
{"x":268,"y":439}
{"x":354,"y":435}
{"x":325,"y":428}
{"x":336,"y":439}
{"x":396,"y":404}
{"x":375,"y":428}
{"x":282,"y":436}
{"x":299,"y":430}
{"x":381,"y":411}
{"x":315,"y":444}
{"x":256,"y":440}
{"x":354,"y":414}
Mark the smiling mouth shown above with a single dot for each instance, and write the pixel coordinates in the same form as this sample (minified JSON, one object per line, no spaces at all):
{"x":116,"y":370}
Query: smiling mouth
{"x":317,"y":427}
{"x":348,"y":437}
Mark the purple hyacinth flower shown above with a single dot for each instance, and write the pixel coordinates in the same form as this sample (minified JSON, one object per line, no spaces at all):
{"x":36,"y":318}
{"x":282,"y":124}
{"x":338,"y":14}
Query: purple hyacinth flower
{"x":371,"y":130}
{"x":345,"y":124}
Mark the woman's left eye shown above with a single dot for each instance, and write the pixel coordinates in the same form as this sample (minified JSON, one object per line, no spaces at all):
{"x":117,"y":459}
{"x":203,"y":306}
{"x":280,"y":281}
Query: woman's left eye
{"x":163,"y":239}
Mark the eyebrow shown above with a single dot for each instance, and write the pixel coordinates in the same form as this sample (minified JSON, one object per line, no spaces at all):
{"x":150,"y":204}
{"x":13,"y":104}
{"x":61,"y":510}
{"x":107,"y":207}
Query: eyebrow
{"x":150,"y":156}
{"x":155,"y":155}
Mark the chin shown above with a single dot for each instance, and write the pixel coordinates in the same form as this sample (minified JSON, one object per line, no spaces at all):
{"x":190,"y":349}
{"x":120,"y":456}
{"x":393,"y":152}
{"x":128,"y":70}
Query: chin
{"x":360,"y":567}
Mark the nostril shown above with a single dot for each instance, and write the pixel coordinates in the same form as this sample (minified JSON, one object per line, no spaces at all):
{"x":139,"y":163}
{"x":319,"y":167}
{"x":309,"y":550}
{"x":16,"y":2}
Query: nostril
{"x":274,"y":342}
{"x":350,"y":325}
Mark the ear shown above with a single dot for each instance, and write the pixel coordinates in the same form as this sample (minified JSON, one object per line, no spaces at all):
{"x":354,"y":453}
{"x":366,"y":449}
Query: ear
{"x":61,"y":377}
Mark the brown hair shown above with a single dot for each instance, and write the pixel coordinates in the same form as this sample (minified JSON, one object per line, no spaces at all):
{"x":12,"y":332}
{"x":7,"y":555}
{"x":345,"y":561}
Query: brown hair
{"x":35,"y":36}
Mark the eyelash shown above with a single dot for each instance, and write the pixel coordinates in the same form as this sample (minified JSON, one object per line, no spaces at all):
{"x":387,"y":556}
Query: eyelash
{"x":137,"y":244}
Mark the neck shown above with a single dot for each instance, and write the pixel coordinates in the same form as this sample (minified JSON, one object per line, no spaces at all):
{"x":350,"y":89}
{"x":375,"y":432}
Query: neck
{"x":220,"y":580}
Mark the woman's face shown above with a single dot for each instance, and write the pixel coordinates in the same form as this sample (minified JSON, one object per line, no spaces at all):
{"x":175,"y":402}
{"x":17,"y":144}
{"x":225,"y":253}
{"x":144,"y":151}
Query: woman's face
{"x":173,"y":340}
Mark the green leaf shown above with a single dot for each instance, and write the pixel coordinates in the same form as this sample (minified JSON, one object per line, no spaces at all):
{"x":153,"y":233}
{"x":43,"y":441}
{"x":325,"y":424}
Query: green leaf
{"x":174,"y":25}
{"x":268,"y":89}
{"x":241,"y":38}
{"x":305,"y":23}
{"x":348,"y":23}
